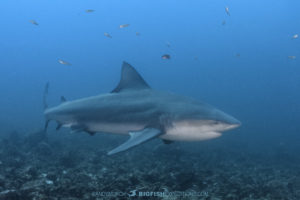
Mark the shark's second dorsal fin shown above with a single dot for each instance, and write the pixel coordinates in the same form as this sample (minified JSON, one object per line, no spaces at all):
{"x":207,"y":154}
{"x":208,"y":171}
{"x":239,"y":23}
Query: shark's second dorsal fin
{"x":63,"y":99}
{"x":130,"y":79}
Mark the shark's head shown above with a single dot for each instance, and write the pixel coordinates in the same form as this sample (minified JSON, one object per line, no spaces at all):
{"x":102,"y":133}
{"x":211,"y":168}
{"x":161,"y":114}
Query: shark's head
{"x":215,"y":120}
{"x":200,"y":122}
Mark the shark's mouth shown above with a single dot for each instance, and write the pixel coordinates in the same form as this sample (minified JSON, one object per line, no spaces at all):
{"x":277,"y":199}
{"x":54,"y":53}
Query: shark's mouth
{"x":232,"y":126}
{"x":188,"y":136}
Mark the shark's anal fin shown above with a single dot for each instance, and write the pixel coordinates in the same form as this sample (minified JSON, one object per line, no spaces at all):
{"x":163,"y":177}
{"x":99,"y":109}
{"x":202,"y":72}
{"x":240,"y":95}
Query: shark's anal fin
{"x":81,"y":128}
{"x":137,"y":138}
{"x":90,"y":133}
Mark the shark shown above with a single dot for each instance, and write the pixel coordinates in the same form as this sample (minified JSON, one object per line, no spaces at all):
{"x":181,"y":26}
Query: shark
{"x":133,"y":108}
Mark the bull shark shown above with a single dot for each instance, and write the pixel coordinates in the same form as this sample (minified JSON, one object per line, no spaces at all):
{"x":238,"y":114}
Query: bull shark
{"x":134,"y":109}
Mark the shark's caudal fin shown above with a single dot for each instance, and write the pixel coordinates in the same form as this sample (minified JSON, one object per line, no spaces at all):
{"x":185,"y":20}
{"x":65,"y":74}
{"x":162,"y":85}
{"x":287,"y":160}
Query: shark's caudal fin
{"x":130,"y":80}
{"x":45,"y":103}
{"x":137,"y":138}
{"x":45,"y":94}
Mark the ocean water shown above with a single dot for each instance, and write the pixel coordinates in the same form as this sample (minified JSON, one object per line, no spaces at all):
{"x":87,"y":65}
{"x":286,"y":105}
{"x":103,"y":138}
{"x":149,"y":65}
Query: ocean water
{"x":244,"y":61}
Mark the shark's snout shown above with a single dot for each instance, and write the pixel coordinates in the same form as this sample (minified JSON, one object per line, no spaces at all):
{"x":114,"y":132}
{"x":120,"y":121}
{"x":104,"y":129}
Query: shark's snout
{"x":232,"y":121}
{"x":229,"y":121}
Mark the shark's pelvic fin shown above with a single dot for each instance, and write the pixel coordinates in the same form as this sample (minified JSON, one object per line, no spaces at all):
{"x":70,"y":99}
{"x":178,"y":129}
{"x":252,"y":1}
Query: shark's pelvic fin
{"x":90,"y":133}
{"x":78,"y":128}
{"x":137,"y":138}
{"x":130,"y":80}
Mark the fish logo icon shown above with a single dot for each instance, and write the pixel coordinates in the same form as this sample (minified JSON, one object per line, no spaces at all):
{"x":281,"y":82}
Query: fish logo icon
{"x":132,"y":193}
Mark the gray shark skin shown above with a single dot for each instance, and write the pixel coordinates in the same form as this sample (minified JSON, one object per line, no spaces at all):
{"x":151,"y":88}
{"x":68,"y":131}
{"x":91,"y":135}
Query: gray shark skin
{"x":134,"y":109}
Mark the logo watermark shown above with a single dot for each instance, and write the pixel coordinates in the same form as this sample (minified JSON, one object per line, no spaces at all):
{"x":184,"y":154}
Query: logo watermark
{"x":137,"y":193}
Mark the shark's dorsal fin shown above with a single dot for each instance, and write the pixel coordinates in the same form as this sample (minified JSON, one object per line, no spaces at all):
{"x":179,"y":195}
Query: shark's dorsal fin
{"x":130,"y":80}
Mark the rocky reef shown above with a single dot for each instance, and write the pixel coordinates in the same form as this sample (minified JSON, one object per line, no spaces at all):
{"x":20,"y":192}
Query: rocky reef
{"x":64,"y":166}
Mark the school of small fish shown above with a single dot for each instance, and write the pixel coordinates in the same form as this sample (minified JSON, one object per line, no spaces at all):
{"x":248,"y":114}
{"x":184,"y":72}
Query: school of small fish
{"x":33,"y":22}
{"x":295,"y":36}
{"x":107,"y":35}
{"x":124,"y":25}
{"x":292,"y":57}
{"x":165,"y":56}
{"x":64,"y":62}
{"x":227,"y":10}
{"x":89,"y":10}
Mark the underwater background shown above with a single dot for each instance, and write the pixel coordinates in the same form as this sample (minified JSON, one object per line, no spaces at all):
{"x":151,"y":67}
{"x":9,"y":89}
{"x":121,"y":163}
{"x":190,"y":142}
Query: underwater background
{"x":239,"y":56}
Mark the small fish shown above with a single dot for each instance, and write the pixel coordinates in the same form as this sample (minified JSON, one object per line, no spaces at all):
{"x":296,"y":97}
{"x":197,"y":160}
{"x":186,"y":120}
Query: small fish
{"x":108,"y":35}
{"x":227,"y":10}
{"x":64,"y":62}
{"x":292,"y":57}
{"x":124,"y":25}
{"x":137,"y":34}
{"x":33,"y":22}
{"x":238,"y":55}
{"x":166,"y":57}
{"x":89,"y":10}
{"x":295,"y":36}
{"x":223,"y":22}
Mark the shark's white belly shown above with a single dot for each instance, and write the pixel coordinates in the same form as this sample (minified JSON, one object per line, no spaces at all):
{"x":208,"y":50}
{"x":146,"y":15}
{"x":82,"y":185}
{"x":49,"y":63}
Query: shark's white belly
{"x":178,"y":132}
{"x":117,"y":128}
{"x":186,"y":132}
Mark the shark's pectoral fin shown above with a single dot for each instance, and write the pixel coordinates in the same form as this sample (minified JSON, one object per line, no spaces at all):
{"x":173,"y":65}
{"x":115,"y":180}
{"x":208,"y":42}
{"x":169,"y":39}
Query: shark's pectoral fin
{"x":137,"y":138}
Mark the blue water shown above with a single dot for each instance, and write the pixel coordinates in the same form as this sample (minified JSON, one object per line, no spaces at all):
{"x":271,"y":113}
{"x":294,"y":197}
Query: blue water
{"x":260,"y":87}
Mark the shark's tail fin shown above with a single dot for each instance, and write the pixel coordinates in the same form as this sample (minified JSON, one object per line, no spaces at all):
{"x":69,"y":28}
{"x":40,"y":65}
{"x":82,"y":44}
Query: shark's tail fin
{"x":45,"y":103}
{"x":45,"y":96}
